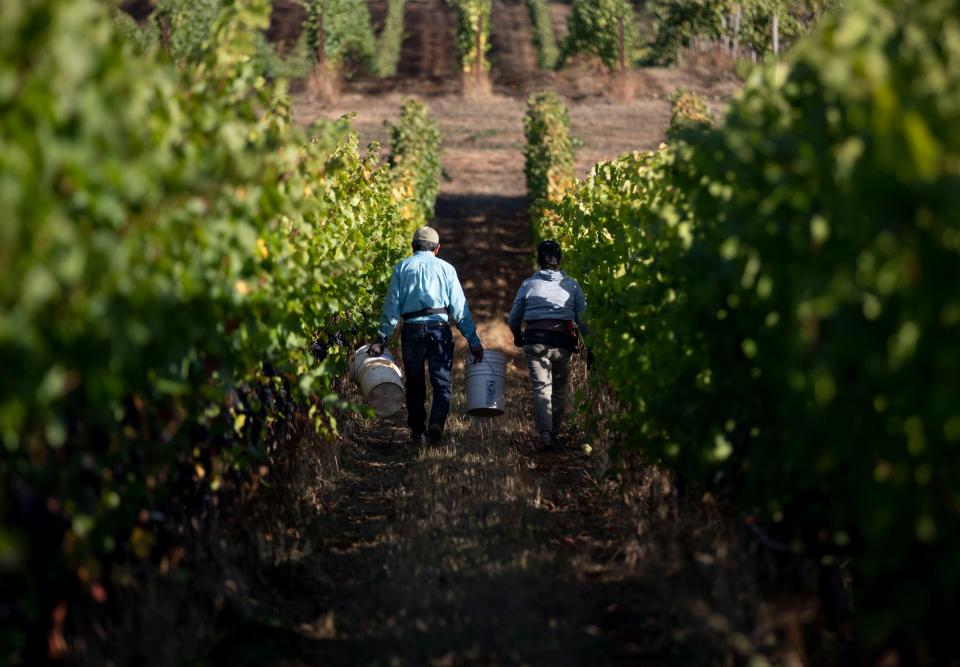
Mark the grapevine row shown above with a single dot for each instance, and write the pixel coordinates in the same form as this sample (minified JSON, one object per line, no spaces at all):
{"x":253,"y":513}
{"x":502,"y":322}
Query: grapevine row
{"x":548,"y":157}
{"x":776,"y":306}
{"x":179,"y":266}
{"x":415,"y":162}
{"x":544,"y":39}
{"x":473,"y":34}
{"x":391,"y":40}
{"x":339,"y":32}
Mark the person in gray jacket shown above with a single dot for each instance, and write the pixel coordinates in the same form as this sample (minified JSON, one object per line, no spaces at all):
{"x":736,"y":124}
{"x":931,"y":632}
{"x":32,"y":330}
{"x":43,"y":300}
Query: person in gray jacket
{"x":552,"y":305}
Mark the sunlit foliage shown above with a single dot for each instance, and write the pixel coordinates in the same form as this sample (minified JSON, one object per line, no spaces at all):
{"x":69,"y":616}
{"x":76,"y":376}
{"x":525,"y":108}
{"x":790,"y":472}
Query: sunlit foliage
{"x":549,"y":156}
{"x":391,"y":40}
{"x":596,"y":27}
{"x":340,"y":32}
{"x":415,"y":162}
{"x":171,"y":245}
{"x":776,"y":304}
{"x":544,"y":40}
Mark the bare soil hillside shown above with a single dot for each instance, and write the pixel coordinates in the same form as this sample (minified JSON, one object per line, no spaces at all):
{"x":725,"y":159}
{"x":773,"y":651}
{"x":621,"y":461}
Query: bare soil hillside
{"x":483,"y":138}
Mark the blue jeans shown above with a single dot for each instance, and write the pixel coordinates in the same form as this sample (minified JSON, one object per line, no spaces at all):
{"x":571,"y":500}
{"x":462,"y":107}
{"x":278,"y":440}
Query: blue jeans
{"x":432,"y":345}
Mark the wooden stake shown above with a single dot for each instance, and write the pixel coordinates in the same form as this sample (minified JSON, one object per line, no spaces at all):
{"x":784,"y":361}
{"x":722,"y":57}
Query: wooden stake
{"x":321,"y":41}
{"x":623,"y":48}
{"x":479,"y":63}
{"x":775,"y":29}
{"x":737,"y":24}
{"x":165,"y":33}
{"x":726,"y":34}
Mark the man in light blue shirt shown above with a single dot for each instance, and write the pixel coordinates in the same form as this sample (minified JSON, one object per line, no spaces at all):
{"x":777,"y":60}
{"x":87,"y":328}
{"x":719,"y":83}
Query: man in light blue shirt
{"x":425,"y":294}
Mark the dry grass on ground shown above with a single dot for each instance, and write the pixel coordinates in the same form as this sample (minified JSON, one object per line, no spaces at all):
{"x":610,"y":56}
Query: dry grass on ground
{"x":479,"y":551}
{"x":482,"y":551}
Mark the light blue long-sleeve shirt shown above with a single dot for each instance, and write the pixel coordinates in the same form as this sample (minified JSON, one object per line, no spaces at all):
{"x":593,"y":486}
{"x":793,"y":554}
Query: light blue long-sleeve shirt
{"x":426,"y":281}
{"x":549,"y":295}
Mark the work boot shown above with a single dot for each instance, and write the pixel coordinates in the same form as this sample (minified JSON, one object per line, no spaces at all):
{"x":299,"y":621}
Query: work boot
{"x":546,"y":440}
{"x":418,"y":439}
{"x":434,"y":433}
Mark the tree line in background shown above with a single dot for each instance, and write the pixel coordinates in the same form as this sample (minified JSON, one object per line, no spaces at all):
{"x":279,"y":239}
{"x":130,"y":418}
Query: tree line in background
{"x":758,"y":28}
{"x":337,"y":34}
{"x":609,"y":30}
{"x":182,"y":270}
{"x":776,"y":307}
{"x":338,"y":39}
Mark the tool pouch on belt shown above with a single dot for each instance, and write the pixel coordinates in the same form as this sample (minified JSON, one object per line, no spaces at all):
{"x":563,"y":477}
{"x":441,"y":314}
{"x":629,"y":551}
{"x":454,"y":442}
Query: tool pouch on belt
{"x":565,"y":340}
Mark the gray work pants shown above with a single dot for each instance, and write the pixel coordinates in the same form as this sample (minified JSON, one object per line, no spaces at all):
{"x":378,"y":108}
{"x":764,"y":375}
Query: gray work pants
{"x":549,"y":369}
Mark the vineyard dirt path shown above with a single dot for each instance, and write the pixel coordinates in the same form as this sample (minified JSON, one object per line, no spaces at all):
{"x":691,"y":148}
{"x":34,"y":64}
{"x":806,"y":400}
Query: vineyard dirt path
{"x":480,"y":550}
{"x":477,"y":551}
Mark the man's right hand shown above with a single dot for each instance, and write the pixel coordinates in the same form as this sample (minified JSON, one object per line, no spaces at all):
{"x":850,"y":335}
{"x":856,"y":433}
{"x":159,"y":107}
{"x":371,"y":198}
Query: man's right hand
{"x":375,"y":350}
{"x":518,"y":338}
{"x":477,"y":353}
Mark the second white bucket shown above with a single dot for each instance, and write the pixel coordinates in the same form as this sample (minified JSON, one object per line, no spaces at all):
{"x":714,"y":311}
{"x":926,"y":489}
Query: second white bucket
{"x":381,"y":382}
{"x":485,"y":383}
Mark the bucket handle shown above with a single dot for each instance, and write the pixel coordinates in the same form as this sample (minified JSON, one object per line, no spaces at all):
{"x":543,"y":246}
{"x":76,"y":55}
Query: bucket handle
{"x":468,"y":360}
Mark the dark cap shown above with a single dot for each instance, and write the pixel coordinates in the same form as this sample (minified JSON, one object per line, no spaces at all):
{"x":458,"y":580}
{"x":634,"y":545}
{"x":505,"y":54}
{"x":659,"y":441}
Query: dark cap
{"x":549,"y":249}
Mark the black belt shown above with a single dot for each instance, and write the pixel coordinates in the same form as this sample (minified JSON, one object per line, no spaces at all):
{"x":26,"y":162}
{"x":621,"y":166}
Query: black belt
{"x":423,"y":312}
{"x":550,"y":325}
{"x":430,"y":324}
{"x":565,"y":340}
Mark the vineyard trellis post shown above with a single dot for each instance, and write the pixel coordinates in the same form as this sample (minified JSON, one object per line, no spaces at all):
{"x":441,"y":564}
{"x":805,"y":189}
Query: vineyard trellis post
{"x":321,"y":50}
{"x":623,"y":47}
{"x":724,"y":30}
{"x":479,"y":63}
{"x":323,"y":79}
{"x":775,"y":36}
{"x":165,"y":33}
{"x":737,"y":26}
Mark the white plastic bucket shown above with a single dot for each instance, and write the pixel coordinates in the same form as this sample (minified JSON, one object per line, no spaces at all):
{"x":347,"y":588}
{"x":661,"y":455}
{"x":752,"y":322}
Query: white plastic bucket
{"x":380,"y":380}
{"x":361,"y":356}
{"x":485,"y":383}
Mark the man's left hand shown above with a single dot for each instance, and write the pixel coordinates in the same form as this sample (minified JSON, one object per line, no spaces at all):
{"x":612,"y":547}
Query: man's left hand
{"x":376,"y":349}
{"x":477,"y":353}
